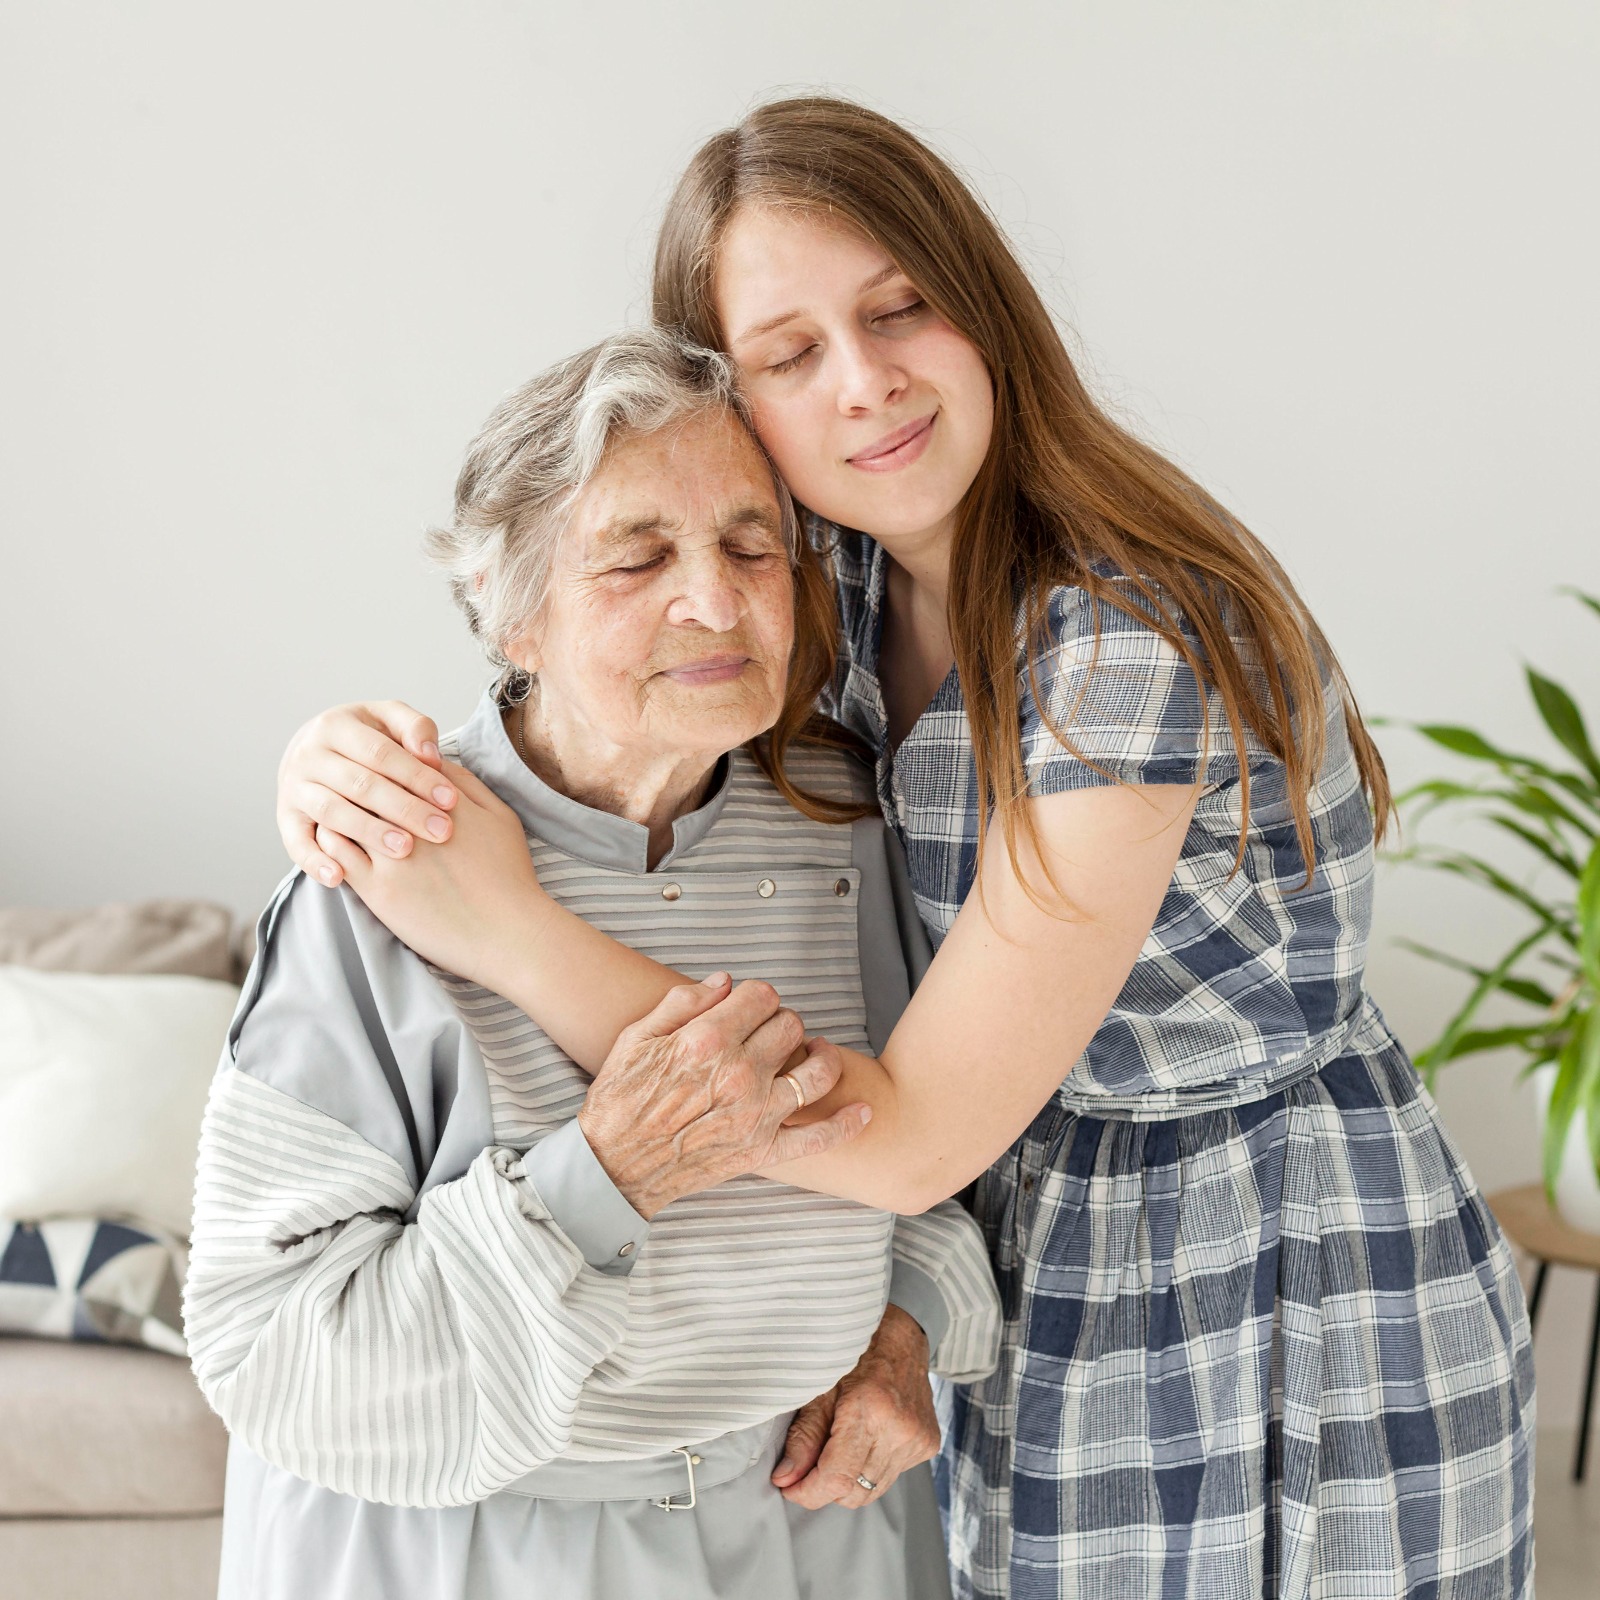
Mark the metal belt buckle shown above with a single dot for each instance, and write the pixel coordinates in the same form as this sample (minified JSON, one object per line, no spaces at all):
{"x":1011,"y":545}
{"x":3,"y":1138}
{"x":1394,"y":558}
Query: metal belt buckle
{"x":669,"y":1504}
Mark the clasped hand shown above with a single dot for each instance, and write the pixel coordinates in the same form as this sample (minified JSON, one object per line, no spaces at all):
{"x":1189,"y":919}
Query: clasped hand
{"x":875,"y":1423}
{"x":704,"y":1088}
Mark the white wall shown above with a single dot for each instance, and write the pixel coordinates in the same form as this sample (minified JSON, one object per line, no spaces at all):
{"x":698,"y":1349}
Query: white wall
{"x":266,"y":270}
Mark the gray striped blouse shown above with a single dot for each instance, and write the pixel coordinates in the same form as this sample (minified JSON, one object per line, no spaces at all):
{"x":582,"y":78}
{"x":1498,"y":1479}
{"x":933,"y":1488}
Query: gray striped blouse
{"x":412,"y":1282}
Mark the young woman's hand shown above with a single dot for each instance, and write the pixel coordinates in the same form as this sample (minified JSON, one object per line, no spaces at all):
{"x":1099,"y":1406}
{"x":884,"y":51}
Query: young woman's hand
{"x":458,"y":907}
{"x":368,"y":772}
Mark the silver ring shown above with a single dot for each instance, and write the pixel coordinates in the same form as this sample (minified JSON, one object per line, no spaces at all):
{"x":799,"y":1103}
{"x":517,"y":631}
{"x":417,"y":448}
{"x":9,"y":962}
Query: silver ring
{"x":799,"y":1093}
{"x":865,"y":1482}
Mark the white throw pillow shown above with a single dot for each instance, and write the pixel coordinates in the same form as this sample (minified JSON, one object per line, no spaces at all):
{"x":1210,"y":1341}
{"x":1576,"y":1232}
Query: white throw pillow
{"x":103,"y":1082}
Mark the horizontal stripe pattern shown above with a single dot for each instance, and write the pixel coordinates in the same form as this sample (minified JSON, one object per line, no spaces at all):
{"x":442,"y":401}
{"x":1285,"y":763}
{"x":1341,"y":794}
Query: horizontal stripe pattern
{"x":749,"y":1295}
{"x":395,"y":1362}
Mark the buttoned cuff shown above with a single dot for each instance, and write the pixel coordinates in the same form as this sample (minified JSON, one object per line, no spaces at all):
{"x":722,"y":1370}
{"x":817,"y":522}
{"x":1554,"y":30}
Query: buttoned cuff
{"x":583,"y":1201}
{"x":918,"y":1296}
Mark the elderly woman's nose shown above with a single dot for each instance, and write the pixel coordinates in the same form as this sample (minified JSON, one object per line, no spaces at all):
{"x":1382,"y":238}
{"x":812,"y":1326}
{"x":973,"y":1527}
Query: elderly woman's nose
{"x":711,"y":596}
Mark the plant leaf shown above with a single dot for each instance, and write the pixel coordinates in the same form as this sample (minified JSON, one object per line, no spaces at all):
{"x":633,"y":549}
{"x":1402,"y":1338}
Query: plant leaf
{"x":1528,"y":796}
{"x":1525,"y":793}
{"x":1477,"y":1040}
{"x":1525,"y":989}
{"x":1560,"y":960}
{"x":1533,"y":1063}
{"x":1578,"y":594}
{"x":1553,"y":853}
{"x":1481,"y":872}
{"x":1520,"y":988}
{"x":1468,"y":742}
{"x":1590,"y":1094}
{"x":1563,"y":719}
{"x":1437,"y":789}
{"x":1577,"y":787}
{"x":1589,"y":918}
{"x":1463,"y":742}
{"x":1564,"y":1098}
{"x":1444,"y":1047}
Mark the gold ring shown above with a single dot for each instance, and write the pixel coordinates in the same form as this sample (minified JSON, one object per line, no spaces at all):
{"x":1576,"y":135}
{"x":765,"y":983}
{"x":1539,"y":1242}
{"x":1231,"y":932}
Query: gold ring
{"x":799,"y":1093}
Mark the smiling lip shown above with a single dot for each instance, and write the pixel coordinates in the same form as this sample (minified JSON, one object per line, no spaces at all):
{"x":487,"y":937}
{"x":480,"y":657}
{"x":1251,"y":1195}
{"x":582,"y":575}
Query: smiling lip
{"x":897,"y":449}
{"x":714,"y":669}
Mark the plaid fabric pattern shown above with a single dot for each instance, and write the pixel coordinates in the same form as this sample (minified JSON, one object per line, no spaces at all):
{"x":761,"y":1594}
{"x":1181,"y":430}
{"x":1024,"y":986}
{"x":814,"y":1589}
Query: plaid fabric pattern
{"x":1262,"y":1335}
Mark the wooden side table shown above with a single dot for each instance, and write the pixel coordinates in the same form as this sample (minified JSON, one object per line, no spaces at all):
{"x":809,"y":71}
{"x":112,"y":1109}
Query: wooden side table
{"x":1531,"y":1224}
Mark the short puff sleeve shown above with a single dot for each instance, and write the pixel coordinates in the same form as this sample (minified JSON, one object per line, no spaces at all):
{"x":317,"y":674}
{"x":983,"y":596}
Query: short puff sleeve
{"x":1131,"y":708}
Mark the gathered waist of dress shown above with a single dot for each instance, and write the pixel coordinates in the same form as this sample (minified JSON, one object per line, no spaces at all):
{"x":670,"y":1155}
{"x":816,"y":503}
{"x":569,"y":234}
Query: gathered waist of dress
{"x":1257,"y":1083}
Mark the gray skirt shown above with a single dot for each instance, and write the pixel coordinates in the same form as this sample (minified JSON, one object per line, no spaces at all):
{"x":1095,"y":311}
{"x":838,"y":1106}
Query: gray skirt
{"x":587,"y":1531}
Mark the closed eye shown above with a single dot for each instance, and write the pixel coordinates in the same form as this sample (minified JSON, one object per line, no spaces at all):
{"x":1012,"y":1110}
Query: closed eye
{"x":904,"y":313}
{"x":793,"y":361}
{"x":642,"y":566}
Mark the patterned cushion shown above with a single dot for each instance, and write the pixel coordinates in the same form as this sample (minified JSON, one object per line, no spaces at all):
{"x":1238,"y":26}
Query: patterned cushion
{"x":82,"y":1278}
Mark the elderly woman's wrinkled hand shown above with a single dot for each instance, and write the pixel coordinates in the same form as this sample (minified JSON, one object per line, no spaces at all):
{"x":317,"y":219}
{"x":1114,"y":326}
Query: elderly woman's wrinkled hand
{"x":456,"y":906}
{"x":698,"y":1092}
{"x":875,"y":1423}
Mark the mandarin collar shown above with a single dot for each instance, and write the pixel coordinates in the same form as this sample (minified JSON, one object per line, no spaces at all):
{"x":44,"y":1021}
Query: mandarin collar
{"x":597,"y":837}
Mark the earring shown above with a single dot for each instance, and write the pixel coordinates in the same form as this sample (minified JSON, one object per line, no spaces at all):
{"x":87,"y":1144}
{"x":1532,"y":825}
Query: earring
{"x":514,"y":687}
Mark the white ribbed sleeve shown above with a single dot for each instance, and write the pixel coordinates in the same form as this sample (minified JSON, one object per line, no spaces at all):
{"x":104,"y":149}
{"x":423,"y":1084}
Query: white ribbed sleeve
{"x":941,"y":1275}
{"x":420,"y":1365}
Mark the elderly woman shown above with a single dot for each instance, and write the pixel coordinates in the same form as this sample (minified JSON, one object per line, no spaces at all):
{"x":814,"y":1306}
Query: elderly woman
{"x":478,"y":1327}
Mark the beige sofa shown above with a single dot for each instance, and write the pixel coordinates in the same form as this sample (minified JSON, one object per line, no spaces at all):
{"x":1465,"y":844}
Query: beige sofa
{"x":111,"y":1463}
{"x":111,"y":1470}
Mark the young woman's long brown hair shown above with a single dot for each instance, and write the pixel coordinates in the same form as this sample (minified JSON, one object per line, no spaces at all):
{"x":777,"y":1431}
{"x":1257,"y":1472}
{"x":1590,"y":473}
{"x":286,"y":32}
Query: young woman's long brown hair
{"x":1064,"y":494}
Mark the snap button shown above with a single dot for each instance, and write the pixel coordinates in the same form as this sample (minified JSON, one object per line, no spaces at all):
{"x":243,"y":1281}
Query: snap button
{"x":841,"y":887}
{"x":627,"y":1249}
{"x":766,"y":888}
{"x":671,"y":892}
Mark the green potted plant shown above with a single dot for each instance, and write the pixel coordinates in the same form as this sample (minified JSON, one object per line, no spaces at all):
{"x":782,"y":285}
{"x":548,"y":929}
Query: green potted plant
{"x":1550,"y":975}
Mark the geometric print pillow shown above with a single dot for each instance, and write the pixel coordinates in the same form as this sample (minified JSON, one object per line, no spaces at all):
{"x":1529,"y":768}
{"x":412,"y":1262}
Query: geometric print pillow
{"x":81,"y":1278}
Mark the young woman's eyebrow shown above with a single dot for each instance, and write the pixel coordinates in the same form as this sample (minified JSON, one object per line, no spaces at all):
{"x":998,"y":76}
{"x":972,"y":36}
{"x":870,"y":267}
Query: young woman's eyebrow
{"x":882,"y":276}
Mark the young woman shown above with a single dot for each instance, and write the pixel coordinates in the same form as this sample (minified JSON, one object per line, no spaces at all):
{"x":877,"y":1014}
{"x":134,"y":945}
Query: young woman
{"x":1263,"y":1336}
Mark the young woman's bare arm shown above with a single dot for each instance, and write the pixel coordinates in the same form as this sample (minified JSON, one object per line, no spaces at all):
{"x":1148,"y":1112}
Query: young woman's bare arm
{"x":1011,"y":1001}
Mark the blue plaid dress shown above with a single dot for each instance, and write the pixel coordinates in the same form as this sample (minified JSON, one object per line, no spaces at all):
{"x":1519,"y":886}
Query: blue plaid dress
{"x":1263,"y":1338}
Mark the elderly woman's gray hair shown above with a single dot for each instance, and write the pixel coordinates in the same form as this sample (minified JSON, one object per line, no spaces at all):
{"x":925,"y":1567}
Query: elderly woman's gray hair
{"x":544,"y":443}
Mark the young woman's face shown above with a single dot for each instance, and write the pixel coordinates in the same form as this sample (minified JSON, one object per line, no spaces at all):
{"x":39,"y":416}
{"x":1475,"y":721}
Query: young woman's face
{"x":875,"y":410}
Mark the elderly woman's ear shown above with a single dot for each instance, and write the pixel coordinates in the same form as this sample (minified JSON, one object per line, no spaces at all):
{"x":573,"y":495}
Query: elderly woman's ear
{"x":524,"y":654}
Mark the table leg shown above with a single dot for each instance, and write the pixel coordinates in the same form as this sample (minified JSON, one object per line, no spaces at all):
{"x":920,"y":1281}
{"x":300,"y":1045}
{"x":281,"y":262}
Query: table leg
{"x":1538,"y":1293}
{"x":1588,"y":1390}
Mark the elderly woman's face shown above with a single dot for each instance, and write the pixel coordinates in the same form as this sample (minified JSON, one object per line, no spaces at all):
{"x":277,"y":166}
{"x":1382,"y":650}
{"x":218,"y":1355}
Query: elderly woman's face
{"x":671,"y":612}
